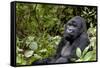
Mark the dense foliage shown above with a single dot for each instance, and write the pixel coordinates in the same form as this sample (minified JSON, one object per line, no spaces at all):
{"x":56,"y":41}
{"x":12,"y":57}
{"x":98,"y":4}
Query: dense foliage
{"x":39,"y":28}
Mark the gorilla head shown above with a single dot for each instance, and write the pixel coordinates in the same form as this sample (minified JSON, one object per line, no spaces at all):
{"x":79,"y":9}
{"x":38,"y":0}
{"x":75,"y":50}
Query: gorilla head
{"x":74,"y":28}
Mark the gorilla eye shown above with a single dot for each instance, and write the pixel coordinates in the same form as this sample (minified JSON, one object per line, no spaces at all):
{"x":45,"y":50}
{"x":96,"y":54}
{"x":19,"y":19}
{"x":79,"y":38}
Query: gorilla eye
{"x":74,"y":25}
{"x":70,"y":24}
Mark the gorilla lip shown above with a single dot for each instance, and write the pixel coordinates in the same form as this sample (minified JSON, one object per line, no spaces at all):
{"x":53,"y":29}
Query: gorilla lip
{"x":68,"y":36}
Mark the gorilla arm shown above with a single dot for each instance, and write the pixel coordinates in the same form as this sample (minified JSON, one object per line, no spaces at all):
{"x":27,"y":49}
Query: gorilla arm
{"x":84,"y":41}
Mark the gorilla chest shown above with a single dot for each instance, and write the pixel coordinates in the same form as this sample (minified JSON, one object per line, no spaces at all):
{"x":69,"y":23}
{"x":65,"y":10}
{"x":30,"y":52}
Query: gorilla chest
{"x":66,"y":50}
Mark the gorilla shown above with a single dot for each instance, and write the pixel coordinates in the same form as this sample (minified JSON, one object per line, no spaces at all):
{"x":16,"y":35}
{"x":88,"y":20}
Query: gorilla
{"x":75,"y":36}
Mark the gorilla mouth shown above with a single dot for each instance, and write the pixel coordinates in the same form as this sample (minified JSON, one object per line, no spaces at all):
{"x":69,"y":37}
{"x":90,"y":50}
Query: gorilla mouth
{"x":68,"y":36}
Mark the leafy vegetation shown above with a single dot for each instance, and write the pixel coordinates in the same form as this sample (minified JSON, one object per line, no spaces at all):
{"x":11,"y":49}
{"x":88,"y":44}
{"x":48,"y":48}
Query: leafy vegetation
{"x":39,"y":28}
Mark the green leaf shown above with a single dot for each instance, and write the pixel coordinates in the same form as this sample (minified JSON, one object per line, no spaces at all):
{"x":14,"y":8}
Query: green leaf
{"x":43,"y":50}
{"x":88,"y":56}
{"x":78,"y":52}
{"x":28,"y":53}
{"x":33,"y":45}
{"x":30,"y":38}
{"x":37,"y":56}
{"x":18,"y":49}
{"x":85,"y":50}
{"x":79,"y":60}
{"x":18,"y":59}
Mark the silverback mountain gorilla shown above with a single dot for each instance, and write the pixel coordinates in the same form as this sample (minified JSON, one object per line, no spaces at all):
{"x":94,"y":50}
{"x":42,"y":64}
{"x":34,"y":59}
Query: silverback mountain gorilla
{"x":75,"y":35}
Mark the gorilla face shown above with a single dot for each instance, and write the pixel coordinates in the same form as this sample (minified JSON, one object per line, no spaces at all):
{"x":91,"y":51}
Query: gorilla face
{"x":73,"y":28}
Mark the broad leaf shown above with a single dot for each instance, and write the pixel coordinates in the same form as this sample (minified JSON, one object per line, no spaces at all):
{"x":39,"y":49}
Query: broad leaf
{"x":33,"y":45}
{"x":78,"y":52}
{"x":88,"y":56}
{"x":28,"y":53}
{"x":85,"y":50}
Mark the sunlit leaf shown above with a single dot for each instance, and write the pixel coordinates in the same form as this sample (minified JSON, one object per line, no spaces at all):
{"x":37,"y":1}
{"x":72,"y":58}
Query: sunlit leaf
{"x":79,"y":60}
{"x":20,"y":50}
{"x":30,"y":38}
{"x":28,"y":53}
{"x":85,"y":50}
{"x":37,"y":56}
{"x":33,"y":45}
{"x":78,"y":52}
{"x":43,"y":50}
{"x":88,"y":56}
